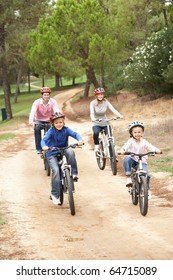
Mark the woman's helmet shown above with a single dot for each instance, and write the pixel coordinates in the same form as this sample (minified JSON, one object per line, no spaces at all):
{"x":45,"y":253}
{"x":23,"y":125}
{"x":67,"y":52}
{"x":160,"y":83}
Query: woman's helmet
{"x":45,"y":89}
{"x":55,"y":116}
{"x":99,"y":90}
{"x":135,"y":124}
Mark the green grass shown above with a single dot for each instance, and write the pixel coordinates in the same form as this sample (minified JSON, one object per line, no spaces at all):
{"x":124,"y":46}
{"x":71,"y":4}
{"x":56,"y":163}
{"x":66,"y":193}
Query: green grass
{"x":2,"y":220}
{"x":163,"y":164}
{"x":7,"y":136}
{"x":21,"y":109}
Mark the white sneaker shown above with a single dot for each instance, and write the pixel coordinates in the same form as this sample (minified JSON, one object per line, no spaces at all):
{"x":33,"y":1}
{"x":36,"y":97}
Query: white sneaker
{"x":149,"y":194}
{"x":129,"y":182}
{"x":55,"y":200}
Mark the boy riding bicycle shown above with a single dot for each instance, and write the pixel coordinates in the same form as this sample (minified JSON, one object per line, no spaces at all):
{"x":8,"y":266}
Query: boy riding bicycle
{"x":57,"y":136}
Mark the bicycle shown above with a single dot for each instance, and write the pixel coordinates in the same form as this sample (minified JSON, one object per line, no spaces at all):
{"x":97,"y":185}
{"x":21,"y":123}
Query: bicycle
{"x":67,"y":183}
{"x":140,"y":184}
{"x":107,"y":148}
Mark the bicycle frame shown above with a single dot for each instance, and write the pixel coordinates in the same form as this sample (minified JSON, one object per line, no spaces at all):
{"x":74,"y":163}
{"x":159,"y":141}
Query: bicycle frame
{"x":65,"y":171}
{"x":107,"y":138}
{"x":107,"y":148}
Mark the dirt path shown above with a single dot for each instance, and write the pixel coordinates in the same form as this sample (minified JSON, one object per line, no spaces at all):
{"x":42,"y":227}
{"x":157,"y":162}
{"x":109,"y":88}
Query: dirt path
{"x":106,"y":225}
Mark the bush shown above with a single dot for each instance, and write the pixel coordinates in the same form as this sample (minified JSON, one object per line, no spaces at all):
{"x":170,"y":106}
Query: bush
{"x":147,"y":66}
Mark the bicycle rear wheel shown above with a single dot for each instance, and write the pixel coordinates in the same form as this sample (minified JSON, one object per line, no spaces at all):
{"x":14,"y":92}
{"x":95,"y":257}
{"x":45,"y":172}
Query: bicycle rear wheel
{"x":69,"y":184}
{"x":113,"y":161}
{"x":100,"y":157}
{"x":143,"y":195}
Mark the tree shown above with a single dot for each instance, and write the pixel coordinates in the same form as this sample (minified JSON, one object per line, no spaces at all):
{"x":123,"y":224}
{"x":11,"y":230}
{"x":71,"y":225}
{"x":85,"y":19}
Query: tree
{"x":78,"y":36}
{"x":17,"y":17}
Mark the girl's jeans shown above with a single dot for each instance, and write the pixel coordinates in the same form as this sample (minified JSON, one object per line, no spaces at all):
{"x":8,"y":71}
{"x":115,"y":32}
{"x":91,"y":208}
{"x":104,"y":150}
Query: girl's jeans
{"x":96,"y":130}
{"x":129,"y":162}
{"x":53,"y":163}
{"x":39,"y":126}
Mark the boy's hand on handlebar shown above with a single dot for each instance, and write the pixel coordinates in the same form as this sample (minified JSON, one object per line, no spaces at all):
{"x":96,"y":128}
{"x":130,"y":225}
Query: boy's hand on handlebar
{"x":80,"y":143}
{"x":45,"y":148}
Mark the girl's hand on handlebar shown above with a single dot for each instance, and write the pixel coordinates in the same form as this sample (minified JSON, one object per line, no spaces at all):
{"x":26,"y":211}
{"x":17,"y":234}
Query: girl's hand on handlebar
{"x":158,"y":152}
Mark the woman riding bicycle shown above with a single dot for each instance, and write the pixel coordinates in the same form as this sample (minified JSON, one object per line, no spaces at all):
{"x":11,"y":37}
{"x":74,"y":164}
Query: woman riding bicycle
{"x":57,"y":136}
{"x":138,"y":145}
{"x":98,"y":109}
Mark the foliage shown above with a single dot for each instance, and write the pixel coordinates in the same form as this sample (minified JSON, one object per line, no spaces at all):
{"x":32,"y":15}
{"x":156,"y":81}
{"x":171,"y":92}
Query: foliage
{"x":148,"y":63}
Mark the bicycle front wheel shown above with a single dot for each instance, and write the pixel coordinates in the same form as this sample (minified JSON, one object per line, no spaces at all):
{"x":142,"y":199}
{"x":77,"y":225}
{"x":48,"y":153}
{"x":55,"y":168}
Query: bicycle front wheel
{"x":134,"y":195}
{"x":100,"y":157}
{"x":113,"y":161}
{"x":69,"y":184}
{"x":143,"y":195}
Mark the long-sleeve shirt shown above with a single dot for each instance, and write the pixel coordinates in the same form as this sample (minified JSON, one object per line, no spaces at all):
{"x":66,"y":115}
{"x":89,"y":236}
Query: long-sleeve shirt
{"x":139,"y":148}
{"x":42,"y":112}
{"x":99,"y":112}
{"x":59,"y":138}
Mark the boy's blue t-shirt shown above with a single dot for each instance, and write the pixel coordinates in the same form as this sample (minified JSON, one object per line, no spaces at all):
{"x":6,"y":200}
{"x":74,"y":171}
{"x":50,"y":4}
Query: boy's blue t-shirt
{"x":59,"y":138}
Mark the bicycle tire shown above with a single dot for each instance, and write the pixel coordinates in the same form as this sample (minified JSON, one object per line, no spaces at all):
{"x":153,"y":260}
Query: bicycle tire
{"x":143,"y":195}
{"x":134,"y":196}
{"x":101,"y":159}
{"x":69,"y":184}
{"x":113,"y":161}
{"x":47,"y":168}
{"x":62,"y":196}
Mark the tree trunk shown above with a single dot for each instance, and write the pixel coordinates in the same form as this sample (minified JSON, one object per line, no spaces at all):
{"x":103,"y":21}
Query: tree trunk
{"x":87,"y":88}
{"x":29,"y":81}
{"x":91,"y":79}
{"x":6,"y":91}
{"x":3,"y":66}
{"x":18,"y":83}
{"x":57,"y":80}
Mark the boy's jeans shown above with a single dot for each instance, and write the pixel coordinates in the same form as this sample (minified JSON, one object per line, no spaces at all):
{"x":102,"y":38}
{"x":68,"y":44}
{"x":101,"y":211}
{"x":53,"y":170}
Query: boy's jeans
{"x":53,"y":163}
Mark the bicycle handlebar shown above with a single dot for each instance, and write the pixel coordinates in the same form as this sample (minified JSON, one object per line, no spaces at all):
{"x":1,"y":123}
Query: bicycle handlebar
{"x":108,"y":120}
{"x":140,"y":155}
{"x":75,"y":145}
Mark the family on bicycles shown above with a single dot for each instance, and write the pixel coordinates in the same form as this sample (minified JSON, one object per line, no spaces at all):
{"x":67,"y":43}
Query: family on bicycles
{"x":46,"y":111}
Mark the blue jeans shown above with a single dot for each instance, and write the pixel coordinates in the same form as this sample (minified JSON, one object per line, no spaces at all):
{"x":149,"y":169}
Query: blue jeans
{"x":129,"y":162}
{"x":96,"y":130}
{"x":39,"y":126}
{"x":55,"y":178}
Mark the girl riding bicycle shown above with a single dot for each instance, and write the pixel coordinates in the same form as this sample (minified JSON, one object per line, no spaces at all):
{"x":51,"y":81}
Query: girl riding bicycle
{"x":138,"y":145}
{"x":57,"y":136}
{"x":98,"y":109}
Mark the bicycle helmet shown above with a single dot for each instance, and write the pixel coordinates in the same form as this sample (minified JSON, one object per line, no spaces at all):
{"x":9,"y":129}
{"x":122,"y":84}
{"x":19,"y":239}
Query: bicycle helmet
{"x":45,"y":89}
{"x":99,"y":90}
{"x":55,"y":116}
{"x":135,"y":124}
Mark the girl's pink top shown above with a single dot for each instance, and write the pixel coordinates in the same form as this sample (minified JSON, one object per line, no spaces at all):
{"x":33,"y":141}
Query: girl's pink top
{"x":139,"y":148}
